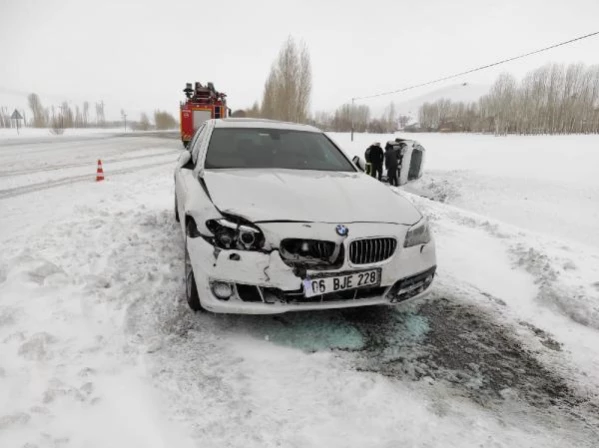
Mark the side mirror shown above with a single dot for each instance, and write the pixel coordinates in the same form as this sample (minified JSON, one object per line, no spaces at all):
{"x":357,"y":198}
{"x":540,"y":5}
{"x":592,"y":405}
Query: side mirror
{"x":184,"y":159}
{"x":361,"y":164}
{"x":412,"y":163}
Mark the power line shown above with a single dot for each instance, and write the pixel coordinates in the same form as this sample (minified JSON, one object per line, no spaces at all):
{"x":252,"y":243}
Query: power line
{"x":477,"y":68}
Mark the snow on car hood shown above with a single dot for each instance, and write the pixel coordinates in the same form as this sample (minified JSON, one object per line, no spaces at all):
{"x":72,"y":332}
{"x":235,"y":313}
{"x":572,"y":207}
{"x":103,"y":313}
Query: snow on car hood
{"x":315,"y":196}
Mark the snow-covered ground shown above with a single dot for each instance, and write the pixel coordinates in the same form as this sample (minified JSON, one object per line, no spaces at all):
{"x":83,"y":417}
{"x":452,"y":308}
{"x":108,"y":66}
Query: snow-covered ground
{"x":547,"y":184}
{"x":98,"y":348}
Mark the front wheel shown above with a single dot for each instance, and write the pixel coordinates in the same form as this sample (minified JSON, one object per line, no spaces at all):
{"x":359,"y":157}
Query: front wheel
{"x":191,"y":289}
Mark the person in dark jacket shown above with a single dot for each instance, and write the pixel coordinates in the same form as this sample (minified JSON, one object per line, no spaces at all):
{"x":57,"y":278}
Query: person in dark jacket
{"x":368,"y":159}
{"x":392,"y":156}
{"x":376,"y":159}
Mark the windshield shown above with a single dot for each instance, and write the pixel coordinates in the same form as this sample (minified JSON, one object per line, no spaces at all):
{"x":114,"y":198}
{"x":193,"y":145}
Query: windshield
{"x":274,"y":148}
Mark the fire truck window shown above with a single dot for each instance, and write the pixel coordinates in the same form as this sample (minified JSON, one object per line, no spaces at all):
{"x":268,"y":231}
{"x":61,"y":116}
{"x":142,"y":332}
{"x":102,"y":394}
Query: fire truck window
{"x":273,"y":148}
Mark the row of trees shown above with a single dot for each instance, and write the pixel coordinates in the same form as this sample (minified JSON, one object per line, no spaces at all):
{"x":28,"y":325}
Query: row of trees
{"x":162,"y":121}
{"x":341,"y":119}
{"x":5,"y":117}
{"x":361,"y":118}
{"x":552,"y":99}
{"x":64,"y":116}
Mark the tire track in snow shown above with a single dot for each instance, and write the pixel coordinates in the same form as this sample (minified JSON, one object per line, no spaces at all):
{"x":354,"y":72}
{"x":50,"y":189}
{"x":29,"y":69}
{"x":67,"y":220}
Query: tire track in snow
{"x":51,"y":146}
{"x":45,"y":139}
{"x":450,"y":340}
{"x":78,"y":165}
{"x":18,"y":191}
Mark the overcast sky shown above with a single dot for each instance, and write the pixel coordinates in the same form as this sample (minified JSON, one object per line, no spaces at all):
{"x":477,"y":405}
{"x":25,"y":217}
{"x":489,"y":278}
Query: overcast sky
{"x":139,"y":54}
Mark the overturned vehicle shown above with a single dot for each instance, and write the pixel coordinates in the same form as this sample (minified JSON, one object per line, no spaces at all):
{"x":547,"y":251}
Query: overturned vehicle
{"x":276,"y":218}
{"x":411,"y":160}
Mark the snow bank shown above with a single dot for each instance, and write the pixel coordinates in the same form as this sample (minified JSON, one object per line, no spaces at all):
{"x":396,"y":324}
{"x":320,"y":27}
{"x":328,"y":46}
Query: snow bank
{"x":542,"y":280}
{"x":98,"y":348}
{"x":547,"y":184}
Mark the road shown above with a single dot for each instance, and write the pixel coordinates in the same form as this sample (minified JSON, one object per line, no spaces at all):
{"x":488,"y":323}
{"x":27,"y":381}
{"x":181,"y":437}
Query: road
{"x":37,"y":164}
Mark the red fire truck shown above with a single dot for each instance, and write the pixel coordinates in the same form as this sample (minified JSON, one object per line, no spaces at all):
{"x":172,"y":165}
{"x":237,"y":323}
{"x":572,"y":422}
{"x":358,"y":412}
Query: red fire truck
{"x":202,"y":103}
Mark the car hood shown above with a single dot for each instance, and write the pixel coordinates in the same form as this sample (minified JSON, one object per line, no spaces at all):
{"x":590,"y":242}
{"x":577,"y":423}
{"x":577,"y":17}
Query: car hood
{"x":307,"y":196}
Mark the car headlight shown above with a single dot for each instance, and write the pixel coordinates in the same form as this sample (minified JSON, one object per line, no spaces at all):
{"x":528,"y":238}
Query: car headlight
{"x":419,"y":233}
{"x":229,"y":234}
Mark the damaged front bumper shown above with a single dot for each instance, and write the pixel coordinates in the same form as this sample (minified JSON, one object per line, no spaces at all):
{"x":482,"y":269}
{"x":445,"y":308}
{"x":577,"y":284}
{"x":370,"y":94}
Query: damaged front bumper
{"x":262,"y":283}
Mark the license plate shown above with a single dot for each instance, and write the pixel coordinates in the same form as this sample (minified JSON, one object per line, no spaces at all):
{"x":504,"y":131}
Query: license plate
{"x":326,"y":285}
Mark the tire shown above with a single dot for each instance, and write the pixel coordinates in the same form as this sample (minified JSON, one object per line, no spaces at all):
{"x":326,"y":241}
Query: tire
{"x":191,"y":288}
{"x":176,"y":211}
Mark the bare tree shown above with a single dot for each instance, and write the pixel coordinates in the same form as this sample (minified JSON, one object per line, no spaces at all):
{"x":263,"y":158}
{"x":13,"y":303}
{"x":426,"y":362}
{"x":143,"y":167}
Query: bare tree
{"x":4,"y":118}
{"x":67,"y":115}
{"x":323,"y":120}
{"x":254,"y":111}
{"x":288,"y":88}
{"x":85,"y":114}
{"x":304,"y":88}
{"x":100,"y":118}
{"x":403,"y":121}
{"x":164,"y":120}
{"x":345,"y":115}
{"x":78,"y":117}
{"x":269,"y":97}
{"x":390,"y":118}
{"x":39,"y":114}
{"x":144,"y":122}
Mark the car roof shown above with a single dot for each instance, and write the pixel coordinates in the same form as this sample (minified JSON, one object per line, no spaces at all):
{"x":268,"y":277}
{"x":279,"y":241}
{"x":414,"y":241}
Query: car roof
{"x":263,"y":124}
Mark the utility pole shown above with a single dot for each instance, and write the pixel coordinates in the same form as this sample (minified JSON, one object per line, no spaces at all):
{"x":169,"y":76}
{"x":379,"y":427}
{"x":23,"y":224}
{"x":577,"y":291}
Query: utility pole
{"x":352,"y":118}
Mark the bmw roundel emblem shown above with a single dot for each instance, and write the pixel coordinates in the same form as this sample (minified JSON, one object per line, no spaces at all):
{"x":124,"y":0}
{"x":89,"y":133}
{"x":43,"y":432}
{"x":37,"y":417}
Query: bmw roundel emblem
{"x":342,"y":230}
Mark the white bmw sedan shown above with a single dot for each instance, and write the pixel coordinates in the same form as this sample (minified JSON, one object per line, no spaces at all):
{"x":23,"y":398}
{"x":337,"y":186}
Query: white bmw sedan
{"x":276,"y":218}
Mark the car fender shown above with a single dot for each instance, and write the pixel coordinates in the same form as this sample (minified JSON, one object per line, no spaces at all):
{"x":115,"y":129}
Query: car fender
{"x":195,"y":202}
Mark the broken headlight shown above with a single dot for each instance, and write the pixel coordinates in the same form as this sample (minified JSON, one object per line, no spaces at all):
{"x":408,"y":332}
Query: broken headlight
{"x":233,"y":234}
{"x":419,"y":233}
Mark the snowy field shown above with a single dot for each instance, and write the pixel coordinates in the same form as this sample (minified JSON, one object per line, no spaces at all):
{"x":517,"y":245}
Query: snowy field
{"x":98,"y":347}
{"x":547,"y":184}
